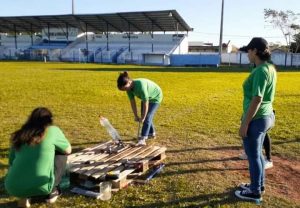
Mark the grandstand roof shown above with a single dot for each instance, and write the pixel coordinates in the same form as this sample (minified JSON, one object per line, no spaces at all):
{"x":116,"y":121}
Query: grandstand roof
{"x":167,"y":20}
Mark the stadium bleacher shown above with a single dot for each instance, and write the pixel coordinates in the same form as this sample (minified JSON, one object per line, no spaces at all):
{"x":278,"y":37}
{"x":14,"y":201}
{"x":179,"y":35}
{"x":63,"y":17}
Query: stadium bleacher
{"x":131,"y":37}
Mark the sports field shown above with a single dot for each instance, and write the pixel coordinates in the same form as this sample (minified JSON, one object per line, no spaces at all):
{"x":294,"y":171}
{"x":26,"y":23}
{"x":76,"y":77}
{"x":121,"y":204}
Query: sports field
{"x":198,"y":122}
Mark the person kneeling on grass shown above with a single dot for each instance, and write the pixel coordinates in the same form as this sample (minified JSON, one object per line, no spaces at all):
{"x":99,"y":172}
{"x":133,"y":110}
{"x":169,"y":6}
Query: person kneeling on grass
{"x":151,"y":96}
{"x":37,"y":159}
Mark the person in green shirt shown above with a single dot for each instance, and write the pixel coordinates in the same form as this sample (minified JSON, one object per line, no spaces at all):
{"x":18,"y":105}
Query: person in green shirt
{"x":258,"y":116}
{"x":151,"y":96}
{"x":37,"y":159}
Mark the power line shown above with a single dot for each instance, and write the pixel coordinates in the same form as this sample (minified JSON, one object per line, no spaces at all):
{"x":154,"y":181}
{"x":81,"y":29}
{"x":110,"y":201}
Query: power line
{"x":230,"y":35}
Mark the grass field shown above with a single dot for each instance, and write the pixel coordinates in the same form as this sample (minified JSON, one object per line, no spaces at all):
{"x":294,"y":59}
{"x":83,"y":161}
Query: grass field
{"x":198,"y":123}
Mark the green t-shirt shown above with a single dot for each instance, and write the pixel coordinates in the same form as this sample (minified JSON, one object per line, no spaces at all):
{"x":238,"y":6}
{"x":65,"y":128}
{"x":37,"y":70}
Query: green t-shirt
{"x":261,"y":82}
{"x":31,"y":171}
{"x":146,"y":90}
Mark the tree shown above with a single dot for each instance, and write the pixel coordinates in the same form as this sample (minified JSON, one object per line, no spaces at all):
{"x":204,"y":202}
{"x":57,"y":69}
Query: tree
{"x":295,"y":46}
{"x":296,"y":37}
{"x":285,"y":21}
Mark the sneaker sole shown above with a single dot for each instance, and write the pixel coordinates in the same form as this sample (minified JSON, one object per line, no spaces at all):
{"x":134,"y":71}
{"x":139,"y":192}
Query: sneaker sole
{"x":268,"y":167}
{"x":52,"y":200}
{"x":237,"y":194}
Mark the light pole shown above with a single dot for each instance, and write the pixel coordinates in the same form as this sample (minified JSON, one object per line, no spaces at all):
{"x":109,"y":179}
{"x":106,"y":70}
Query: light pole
{"x":72,"y":7}
{"x":221,"y":29}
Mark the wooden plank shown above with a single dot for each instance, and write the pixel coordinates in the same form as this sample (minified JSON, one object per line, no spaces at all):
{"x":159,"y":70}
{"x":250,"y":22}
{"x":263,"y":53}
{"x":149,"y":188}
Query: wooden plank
{"x":145,"y":161}
{"x":73,"y":157}
{"x":122,"y":181}
{"x":114,"y":158}
{"x":83,"y":167}
{"x":156,"y":162}
{"x":125,"y":157}
{"x":80,"y":163}
{"x":156,"y":153}
{"x":92,"y":162}
{"x":143,"y":166}
{"x":113,"y":165}
{"x":144,"y":154}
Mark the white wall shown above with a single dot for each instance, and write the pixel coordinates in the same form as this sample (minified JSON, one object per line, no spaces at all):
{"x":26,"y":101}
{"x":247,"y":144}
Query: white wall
{"x":277,"y":58}
{"x":156,"y":59}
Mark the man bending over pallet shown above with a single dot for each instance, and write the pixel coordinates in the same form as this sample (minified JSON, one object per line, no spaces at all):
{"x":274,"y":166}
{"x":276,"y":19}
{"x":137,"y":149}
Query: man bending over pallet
{"x":151,"y":96}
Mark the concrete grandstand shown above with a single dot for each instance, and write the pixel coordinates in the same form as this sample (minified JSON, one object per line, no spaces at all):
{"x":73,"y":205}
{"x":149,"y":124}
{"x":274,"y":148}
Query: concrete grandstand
{"x":134,"y":37}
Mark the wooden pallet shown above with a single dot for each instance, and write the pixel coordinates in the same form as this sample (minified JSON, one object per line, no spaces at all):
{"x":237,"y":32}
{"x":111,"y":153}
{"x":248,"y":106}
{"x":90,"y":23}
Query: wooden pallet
{"x":90,"y":166}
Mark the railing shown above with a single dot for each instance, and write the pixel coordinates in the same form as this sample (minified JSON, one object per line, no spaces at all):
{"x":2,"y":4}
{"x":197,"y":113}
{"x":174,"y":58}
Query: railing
{"x":280,"y":59}
{"x":122,"y":55}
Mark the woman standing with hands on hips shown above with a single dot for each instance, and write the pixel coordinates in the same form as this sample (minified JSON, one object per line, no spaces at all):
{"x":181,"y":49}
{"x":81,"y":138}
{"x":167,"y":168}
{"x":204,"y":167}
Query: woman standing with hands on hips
{"x":258,"y":116}
{"x":151,"y":97}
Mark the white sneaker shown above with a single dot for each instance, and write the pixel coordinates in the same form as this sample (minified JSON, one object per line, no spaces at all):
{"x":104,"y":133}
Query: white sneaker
{"x":141,"y":142}
{"x":268,"y":164}
{"x":243,"y":156}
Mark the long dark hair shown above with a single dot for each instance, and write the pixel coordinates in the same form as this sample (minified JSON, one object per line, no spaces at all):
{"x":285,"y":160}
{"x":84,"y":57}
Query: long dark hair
{"x":33,"y":130}
{"x":123,"y":79}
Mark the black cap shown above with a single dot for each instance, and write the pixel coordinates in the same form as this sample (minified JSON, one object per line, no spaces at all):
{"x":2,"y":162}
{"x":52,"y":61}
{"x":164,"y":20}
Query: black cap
{"x":259,"y":43}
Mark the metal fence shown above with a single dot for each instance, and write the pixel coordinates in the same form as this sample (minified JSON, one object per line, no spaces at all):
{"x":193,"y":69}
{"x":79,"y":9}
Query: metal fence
{"x":114,"y":56}
{"x":280,"y":59}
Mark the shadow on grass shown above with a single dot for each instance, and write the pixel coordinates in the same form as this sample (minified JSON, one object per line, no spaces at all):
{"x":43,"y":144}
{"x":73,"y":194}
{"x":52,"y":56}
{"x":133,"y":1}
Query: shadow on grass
{"x":203,"y":161}
{"x":4,"y":195}
{"x":8,"y":204}
{"x":285,"y":142}
{"x":3,"y":166}
{"x":206,"y":148}
{"x":201,"y":200}
{"x":189,"y":171}
{"x":4,"y":152}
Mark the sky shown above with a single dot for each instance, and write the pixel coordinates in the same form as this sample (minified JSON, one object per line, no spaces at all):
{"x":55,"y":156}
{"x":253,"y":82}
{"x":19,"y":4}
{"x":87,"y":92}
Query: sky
{"x":243,"y":19}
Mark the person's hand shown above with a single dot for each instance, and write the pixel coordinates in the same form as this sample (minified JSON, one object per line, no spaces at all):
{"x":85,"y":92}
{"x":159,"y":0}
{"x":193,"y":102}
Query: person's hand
{"x":136,"y":118}
{"x":243,"y":130}
{"x":142,"y":120}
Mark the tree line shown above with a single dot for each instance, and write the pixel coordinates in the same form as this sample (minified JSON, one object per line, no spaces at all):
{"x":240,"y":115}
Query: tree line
{"x":288,"y":23}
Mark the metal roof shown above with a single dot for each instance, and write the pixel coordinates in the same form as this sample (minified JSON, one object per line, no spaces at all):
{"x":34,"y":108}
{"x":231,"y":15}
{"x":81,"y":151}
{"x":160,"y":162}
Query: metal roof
{"x":167,"y":20}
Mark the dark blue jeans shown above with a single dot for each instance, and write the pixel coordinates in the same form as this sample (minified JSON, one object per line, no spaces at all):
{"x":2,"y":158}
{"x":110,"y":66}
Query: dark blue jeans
{"x":148,"y":126}
{"x":253,"y":147}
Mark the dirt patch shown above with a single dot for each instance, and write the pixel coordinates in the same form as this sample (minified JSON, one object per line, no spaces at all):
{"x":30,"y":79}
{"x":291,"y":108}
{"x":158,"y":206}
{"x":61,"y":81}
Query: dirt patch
{"x":283,"y":180}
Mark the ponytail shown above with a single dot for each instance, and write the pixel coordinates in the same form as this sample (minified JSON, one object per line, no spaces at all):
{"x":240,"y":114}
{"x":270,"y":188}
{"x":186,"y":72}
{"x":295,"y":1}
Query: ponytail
{"x":123,"y":79}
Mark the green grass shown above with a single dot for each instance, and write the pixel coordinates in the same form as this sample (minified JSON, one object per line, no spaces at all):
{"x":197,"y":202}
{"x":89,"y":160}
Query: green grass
{"x":198,"y":119}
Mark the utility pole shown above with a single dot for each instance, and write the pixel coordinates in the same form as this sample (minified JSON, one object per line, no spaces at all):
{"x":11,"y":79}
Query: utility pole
{"x":221,"y":30}
{"x":72,"y":7}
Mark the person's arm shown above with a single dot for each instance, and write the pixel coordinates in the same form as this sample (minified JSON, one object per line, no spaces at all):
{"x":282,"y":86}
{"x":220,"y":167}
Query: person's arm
{"x":253,"y":108}
{"x":11,"y":156}
{"x":61,"y":143}
{"x":134,"y":110}
{"x":68,"y":150}
{"x":145,"y":110}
